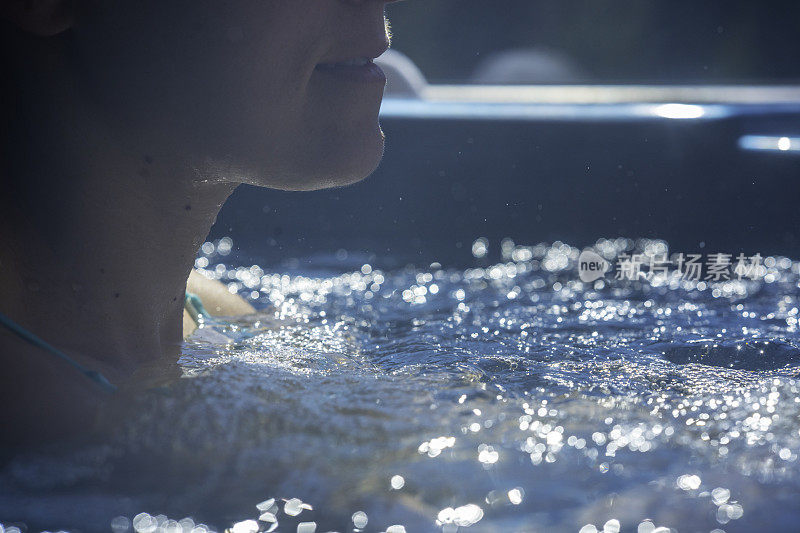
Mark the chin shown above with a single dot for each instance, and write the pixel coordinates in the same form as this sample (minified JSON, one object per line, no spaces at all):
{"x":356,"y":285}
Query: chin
{"x":337,"y":165}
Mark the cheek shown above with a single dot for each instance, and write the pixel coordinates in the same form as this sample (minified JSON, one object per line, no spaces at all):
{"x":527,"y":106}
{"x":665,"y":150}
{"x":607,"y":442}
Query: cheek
{"x":291,"y":130}
{"x":211,"y":67}
{"x":237,"y":85}
{"x":253,"y":91}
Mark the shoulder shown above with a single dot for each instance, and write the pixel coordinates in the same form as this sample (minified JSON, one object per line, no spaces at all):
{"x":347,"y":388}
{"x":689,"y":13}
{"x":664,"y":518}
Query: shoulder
{"x":216,"y":298}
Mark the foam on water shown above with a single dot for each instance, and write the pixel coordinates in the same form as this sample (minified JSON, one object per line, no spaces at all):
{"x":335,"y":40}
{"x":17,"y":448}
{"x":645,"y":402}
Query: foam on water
{"x":505,"y":397}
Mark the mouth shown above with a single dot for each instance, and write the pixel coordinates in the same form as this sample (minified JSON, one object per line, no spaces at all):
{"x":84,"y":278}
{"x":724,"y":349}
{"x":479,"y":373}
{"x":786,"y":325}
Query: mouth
{"x":355,"y":67}
{"x":348,"y":63}
{"x":356,"y":70}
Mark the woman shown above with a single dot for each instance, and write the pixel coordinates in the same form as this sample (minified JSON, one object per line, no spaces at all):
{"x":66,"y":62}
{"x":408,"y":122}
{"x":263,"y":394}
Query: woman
{"x":126,"y":126}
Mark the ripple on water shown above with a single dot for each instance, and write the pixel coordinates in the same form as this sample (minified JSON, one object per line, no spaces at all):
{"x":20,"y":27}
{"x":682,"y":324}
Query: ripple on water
{"x":750,"y":354}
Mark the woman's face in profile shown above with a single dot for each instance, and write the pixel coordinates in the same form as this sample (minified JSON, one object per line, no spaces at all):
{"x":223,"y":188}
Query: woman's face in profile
{"x":268,"y":92}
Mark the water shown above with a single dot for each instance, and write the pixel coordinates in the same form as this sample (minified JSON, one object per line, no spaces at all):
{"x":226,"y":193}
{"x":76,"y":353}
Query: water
{"x":503,"y":397}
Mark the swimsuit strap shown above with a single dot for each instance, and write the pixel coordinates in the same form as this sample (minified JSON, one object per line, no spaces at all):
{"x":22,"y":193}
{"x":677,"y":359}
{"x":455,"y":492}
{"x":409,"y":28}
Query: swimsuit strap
{"x":194,"y":306}
{"x":29,"y":337}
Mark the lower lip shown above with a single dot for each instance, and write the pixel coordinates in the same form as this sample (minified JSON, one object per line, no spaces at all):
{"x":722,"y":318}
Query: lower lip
{"x":369,"y":73}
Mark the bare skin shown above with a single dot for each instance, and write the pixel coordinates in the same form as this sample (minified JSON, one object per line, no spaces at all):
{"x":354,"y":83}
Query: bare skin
{"x":117,"y":158}
{"x":217,"y":300}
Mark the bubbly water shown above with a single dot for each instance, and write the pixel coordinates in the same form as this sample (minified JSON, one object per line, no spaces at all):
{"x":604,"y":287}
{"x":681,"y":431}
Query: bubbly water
{"x":506,"y":397}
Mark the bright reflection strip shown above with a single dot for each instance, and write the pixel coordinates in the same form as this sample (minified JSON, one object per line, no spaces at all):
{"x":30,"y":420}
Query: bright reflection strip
{"x":770,"y":143}
{"x":679,"y":111}
{"x":408,"y":108}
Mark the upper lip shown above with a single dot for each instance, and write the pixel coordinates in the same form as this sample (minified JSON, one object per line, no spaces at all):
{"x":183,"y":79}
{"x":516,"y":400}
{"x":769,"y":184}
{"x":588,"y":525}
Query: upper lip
{"x":369,"y":51}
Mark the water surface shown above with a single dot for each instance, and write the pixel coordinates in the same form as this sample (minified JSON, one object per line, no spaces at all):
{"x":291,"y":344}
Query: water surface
{"x":502,"y":397}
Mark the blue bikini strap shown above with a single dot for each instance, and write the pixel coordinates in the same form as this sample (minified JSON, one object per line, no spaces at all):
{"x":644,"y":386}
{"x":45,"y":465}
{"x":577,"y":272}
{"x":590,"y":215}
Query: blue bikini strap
{"x":29,"y":337}
{"x":194,"y":306}
{"x":192,"y":303}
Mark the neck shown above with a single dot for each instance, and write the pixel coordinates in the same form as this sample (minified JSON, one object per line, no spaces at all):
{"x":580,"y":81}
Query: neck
{"x":97,"y":242}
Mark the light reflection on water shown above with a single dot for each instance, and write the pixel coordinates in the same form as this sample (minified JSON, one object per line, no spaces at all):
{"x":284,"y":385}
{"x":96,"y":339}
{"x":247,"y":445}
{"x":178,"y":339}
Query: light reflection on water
{"x":507,"y":397}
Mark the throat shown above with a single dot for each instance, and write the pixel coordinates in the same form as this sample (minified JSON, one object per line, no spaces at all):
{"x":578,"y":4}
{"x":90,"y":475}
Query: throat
{"x":101,"y":271}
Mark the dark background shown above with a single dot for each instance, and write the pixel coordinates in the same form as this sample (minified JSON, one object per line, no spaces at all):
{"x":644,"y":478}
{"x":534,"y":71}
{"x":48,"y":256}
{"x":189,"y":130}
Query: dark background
{"x":444,"y":182}
{"x":665,"y":41}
